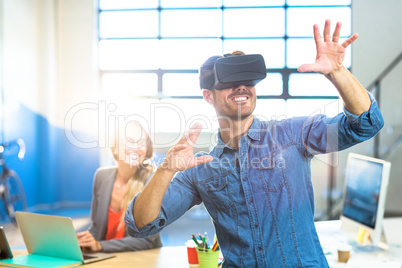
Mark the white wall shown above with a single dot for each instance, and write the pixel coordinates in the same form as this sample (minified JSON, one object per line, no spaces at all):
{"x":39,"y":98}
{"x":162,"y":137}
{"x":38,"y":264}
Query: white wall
{"x":19,"y":42}
{"x":48,"y":66}
{"x":50,"y":55}
{"x":380,"y":42}
{"x":76,"y":39}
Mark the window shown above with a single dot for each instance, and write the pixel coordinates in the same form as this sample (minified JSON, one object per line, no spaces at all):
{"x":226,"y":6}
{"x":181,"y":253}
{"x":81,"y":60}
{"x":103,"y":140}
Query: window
{"x":150,"y":52}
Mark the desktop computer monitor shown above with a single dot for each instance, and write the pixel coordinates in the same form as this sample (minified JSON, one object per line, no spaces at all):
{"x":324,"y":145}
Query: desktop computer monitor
{"x":364,"y":195}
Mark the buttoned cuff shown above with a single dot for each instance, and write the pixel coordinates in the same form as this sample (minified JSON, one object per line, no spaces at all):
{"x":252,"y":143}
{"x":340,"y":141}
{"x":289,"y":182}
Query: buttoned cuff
{"x":371,"y":114}
{"x":147,"y":230}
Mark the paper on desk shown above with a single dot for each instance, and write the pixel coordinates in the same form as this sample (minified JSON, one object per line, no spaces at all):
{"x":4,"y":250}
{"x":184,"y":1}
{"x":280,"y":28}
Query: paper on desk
{"x":360,"y":263}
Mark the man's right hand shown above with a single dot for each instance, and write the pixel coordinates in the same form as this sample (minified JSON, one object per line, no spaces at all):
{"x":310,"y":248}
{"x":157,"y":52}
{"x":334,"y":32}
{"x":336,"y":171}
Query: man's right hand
{"x":181,"y":156}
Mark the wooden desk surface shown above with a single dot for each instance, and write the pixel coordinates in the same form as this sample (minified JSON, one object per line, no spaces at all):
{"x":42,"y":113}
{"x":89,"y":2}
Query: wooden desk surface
{"x":161,"y":257}
{"x":329,"y":234}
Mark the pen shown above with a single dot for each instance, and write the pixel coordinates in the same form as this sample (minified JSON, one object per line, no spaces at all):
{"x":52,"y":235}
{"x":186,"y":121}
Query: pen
{"x":195,"y":240}
{"x":206,"y":239}
{"x":201,"y":245}
{"x":203,"y":241}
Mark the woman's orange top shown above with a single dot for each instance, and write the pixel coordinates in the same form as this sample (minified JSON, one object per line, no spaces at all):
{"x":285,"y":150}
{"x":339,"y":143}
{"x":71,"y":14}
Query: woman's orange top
{"x":113,"y":231}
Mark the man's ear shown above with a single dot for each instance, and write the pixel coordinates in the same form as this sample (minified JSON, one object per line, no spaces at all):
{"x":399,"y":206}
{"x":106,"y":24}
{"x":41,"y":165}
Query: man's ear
{"x":208,"y":96}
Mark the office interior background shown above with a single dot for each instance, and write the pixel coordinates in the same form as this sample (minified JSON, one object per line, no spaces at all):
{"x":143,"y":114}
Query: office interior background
{"x":68,"y":73}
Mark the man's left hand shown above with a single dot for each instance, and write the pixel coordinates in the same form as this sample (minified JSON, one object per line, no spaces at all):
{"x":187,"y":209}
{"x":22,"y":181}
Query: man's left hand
{"x":330,"y":53}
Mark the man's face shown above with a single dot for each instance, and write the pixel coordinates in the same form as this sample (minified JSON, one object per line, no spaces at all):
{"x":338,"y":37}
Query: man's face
{"x":237,"y":102}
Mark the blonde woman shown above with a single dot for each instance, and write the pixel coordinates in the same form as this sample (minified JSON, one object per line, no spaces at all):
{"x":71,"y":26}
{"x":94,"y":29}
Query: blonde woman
{"x":113,"y":189}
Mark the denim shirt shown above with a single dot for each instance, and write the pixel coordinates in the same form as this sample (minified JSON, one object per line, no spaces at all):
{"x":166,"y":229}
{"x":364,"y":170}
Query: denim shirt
{"x":260,"y":197}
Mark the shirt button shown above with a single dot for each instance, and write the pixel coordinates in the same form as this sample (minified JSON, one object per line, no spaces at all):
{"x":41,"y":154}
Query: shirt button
{"x":250,"y":200}
{"x":259,"y":248}
{"x":245,"y":179}
{"x":256,"y":225}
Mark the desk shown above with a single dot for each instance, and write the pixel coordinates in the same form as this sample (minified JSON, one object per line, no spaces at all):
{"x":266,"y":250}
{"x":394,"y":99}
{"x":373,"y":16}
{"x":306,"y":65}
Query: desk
{"x":155,"y":258}
{"x":329,"y":233}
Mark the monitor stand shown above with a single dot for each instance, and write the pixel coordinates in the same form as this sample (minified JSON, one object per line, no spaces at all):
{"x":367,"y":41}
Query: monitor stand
{"x":364,"y":237}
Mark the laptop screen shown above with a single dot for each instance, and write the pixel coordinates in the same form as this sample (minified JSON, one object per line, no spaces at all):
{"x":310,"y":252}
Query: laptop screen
{"x":49,"y":235}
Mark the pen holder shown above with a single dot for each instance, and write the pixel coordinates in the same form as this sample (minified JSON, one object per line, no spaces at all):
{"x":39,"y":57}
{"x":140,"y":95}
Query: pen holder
{"x":192,"y":256}
{"x":207,"y":258}
{"x":191,"y":253}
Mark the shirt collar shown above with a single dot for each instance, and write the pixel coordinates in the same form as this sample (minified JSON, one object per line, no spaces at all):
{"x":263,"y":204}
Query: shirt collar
{"x":254,"y":130}
{"x":253,"y":133}
{"x":220,"y":147}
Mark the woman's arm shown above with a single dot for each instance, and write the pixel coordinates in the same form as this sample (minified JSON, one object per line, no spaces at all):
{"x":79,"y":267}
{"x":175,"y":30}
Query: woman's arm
{"x":131,"y":244}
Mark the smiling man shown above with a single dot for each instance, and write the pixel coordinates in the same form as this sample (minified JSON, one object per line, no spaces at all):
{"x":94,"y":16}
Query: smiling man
{"x":256,"y":182}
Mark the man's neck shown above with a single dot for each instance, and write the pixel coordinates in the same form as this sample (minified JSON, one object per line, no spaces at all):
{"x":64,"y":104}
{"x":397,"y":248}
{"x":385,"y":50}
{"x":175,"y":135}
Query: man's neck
{"x":232,"y":131}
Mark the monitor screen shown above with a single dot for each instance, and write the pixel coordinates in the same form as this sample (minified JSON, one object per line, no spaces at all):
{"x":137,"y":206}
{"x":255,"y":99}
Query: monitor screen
{"x":363,"y":185}
{"x":364,"y":195}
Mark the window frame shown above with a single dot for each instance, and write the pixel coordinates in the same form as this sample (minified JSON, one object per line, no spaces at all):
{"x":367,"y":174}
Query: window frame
{"x":285,"y":71}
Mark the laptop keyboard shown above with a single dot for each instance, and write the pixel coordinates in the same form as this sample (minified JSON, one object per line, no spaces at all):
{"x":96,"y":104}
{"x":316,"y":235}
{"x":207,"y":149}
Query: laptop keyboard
{"x":88,"y":257}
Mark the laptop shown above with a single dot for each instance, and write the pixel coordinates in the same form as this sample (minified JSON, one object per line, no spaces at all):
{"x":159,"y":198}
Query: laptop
{"x":53,"y":236}
{"x":5,"y":251}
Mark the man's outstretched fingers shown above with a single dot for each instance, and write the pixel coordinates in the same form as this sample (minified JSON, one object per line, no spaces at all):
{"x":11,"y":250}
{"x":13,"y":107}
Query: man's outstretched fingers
{"x":327,"y":31}
{"x":193,"y":130}
{"x":305,"y":68}
{"x":194,"y":134}
{"x":203,"y":159}
{"x":350,"y":40}
{"x":337,"y":32}
{"x":178,"y":147}
{"x":317,"y":36}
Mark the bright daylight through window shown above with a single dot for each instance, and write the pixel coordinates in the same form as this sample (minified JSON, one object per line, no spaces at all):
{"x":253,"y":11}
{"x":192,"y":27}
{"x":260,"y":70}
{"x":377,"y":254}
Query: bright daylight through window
{"x":150,"y":52}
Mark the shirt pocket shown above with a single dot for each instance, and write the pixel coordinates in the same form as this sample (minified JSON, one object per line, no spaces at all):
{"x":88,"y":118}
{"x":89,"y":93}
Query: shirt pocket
{"x":272,"y":171}
{"x":219,"y":193}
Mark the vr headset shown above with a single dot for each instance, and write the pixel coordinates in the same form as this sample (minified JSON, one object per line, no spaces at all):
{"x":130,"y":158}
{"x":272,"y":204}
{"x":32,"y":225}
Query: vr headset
{"x":234,"y":70}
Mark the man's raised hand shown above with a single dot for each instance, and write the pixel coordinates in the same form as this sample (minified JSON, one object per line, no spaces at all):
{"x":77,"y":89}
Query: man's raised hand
{"x":330,"y":53}
{"x":181,"y":156}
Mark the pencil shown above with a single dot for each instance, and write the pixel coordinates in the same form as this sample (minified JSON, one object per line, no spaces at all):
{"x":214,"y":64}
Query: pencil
{"x":200,"y":239}
{"x":215,"y":246}
{"x":195,"y":240}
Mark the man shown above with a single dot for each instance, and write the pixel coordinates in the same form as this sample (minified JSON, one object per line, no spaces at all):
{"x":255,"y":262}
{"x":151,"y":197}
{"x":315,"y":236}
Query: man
{"x":256,"y":182}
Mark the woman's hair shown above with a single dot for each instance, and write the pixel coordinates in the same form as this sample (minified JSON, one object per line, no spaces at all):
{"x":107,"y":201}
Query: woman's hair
{"x":137,"y":182}
{"x":206,"y":70}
